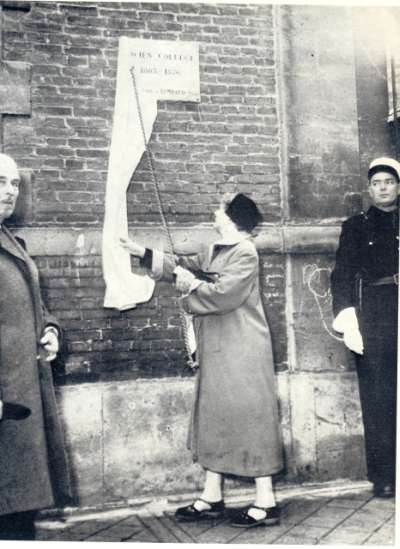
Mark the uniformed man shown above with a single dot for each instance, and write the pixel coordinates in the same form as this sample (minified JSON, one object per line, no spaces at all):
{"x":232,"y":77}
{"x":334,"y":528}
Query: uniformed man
{"x":364,"y":286}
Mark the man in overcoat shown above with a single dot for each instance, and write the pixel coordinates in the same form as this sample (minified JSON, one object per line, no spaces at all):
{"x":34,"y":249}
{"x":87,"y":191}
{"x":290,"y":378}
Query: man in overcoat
{"x":364,"y":286}
{"x":33,"y":466}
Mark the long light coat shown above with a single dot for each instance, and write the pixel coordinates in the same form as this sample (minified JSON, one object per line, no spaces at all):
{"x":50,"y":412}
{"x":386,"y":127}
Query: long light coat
{"x":33,"y":466}
{"x":234,"y":425}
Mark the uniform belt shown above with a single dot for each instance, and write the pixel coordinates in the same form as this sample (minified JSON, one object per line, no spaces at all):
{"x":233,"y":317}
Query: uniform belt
{"x":394,"y":279}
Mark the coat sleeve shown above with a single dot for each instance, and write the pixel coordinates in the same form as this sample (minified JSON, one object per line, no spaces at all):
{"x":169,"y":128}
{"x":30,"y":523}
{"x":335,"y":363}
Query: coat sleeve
{"x":347,"y":266}
{"x":231,"y":290}
{"x":48,"y":319}
{"x":161,"y":265}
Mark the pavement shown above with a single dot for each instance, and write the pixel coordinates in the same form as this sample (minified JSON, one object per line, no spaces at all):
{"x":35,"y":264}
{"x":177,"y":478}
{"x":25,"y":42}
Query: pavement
{"x":339,"y":515}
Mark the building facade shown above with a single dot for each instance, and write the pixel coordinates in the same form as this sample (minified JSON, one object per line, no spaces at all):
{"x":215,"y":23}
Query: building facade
{"x":294,"y":104}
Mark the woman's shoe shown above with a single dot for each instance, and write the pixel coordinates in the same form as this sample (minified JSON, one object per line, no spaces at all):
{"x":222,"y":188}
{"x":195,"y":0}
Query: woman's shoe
{"x":244,"y":520}
{"x":190,"y":513}
{"x":12,"y":410}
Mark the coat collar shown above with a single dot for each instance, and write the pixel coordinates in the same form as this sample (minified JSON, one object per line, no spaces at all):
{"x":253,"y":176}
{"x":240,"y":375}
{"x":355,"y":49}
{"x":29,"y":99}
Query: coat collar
{"x":8,"y":243}
{"x":376,"y":217}
{"x":232,"y":240}
{"x":373,"y":211}
{"x":225,"y":243}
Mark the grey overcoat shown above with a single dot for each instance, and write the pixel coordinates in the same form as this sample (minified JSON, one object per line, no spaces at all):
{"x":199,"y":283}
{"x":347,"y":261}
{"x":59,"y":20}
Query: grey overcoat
{"x":33,"y":466}
{"x":234,"y":426}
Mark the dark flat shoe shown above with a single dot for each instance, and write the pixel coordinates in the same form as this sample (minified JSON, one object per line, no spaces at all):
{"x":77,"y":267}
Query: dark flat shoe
{"x":384,"y":490}
{"x":190,"y":513}
{"x":244,"y":520}
{"x":12,"y":410}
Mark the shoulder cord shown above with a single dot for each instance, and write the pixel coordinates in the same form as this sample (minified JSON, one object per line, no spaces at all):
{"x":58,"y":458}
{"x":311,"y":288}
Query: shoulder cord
{"x":170,"y":245}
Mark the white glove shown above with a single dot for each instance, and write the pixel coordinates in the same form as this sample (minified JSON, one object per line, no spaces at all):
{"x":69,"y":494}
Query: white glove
{"x":184,"y":279}
{"x":346,"y":323}
{"x":353,"y":340}
{"x":50,"y":343}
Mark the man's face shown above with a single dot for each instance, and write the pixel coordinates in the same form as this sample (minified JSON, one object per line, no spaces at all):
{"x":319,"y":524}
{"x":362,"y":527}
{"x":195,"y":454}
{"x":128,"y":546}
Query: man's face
{"x":383,"y":189}
{"x":9,"y":187}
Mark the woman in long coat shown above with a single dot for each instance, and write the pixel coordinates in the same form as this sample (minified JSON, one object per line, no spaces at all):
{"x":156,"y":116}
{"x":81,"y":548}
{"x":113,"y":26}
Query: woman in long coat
{"x":33,"y":467}
{"x":235,"y":425}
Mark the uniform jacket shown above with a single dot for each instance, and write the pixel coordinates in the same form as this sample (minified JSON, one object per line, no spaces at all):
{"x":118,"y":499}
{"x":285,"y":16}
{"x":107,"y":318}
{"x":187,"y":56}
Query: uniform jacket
{"x":234,"y":425}
{"x":33,"y":465}
{"x":368,"y":250}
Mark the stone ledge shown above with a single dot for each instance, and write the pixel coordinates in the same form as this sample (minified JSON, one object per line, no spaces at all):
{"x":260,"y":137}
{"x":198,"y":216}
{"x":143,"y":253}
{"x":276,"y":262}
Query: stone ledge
{"x":291,"y":239}
{"x":284,"y":491}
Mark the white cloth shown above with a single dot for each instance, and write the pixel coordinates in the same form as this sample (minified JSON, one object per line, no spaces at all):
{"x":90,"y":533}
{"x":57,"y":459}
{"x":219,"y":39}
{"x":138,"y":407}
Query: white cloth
{"x":163,"y":70}
{"x":124,"y":289}
{"x":346,"y":323}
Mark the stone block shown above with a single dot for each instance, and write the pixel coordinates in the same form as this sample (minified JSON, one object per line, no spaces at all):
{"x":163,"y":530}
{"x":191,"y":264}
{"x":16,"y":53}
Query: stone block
{"x":304,"y":451}
{"x":327,"y":435}
{"x":15,"y":91}
{"x":320,"y":161}
{"x":339,"y":431}
{"x":145,"y":428}
{"x":318,"y":347}
{"x":81,"y":409}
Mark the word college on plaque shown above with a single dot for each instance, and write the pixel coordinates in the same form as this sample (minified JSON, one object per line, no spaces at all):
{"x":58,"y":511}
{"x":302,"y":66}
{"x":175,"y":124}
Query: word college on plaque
{"x":167,"y":70}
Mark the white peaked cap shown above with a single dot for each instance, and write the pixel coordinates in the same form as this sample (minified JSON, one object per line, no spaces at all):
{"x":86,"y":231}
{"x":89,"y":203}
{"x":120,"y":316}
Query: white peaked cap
{"x":385,"y":161}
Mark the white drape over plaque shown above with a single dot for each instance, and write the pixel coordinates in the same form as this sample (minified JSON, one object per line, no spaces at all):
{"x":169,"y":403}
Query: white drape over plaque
{"x":163,"y":70}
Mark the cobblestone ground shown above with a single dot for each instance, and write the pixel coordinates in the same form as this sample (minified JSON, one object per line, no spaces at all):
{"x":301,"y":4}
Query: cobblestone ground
{"x":352,"y":518}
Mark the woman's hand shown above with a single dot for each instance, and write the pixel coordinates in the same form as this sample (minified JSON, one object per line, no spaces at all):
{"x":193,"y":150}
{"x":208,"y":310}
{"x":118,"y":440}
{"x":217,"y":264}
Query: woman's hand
{"x":132,"y":247}
{"x":184,"y":279}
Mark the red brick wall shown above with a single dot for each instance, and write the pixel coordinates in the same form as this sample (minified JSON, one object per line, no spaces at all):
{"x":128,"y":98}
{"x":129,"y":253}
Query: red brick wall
{"x":227,"y":142}
{"x":143,"y":342}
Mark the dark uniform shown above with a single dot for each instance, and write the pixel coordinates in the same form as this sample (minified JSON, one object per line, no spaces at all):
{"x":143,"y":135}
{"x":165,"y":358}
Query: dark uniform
{"x":366,"y":277}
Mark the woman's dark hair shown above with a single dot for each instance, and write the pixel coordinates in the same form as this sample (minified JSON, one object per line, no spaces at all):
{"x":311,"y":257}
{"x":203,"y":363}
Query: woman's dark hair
{"x":244,"y":212}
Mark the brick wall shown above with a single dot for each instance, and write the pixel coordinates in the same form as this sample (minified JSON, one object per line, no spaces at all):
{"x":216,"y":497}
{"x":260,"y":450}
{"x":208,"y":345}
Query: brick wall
{"x":102,"y":344}
{"x":227,"y":142}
